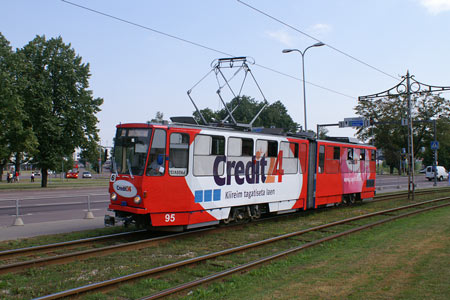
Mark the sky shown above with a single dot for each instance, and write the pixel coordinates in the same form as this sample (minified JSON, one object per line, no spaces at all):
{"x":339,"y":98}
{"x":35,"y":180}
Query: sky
{"x":149,"y":65}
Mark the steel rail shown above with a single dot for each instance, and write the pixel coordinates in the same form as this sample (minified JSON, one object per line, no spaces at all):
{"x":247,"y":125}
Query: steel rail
{"x":255,"y":263}
{"x":55,"y":246}
{"x":78,"y":255}
{"x":107,"y":284}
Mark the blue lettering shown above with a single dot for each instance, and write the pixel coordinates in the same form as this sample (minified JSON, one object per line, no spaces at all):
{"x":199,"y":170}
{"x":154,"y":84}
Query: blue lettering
{"x":230,"y":165}
{"x":239,"y":169}
{"x":250,"y":171}
{"x":263,"y":165}
{"x":219,"y":180}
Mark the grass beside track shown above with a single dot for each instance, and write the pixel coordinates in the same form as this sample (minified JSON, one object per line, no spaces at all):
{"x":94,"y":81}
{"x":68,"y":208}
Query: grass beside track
{"x":274,"y":279}
{"x":405,"y":259}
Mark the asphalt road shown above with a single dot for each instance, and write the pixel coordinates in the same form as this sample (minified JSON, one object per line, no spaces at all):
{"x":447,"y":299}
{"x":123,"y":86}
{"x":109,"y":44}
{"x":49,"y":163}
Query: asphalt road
{"x":36,"y":206}
{"x":47,"y":211}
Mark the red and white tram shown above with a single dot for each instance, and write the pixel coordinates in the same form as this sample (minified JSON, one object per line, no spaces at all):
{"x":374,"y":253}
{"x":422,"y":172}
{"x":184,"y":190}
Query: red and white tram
{"x":181,"y":176}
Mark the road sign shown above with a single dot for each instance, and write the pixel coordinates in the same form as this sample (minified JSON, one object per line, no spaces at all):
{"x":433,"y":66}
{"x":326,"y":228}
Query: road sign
{"x":434,"y":145}
{"x":352,"y":122}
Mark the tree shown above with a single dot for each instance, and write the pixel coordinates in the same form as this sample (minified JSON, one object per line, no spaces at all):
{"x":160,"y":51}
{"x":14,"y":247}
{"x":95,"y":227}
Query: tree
{"x":274,"y":115}
{"x":16,"y":134}
{"x":389,"y":135}
{"x":443,"y":137}
{"x":323,"y":133}
{"x":159,"y":117}
{"x":57,"y":101}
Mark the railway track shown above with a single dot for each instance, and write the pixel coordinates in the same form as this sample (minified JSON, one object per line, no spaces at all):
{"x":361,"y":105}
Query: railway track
{"x":291,"y":242}
{"x":34,"y":250}
{"x":139,"y":240}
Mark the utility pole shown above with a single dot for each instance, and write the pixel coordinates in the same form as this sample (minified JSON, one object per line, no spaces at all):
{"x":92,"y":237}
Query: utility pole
{"x":404,"y":88}
{"x":411,"y":182}
{"x":435,"y":154}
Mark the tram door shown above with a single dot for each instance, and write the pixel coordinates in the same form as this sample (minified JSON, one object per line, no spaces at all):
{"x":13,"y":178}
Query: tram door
{"x":311,"y":197}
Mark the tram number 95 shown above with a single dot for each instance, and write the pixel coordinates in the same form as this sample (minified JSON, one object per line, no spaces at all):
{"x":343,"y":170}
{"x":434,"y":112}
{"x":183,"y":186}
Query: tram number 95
{"x":169,"y":218}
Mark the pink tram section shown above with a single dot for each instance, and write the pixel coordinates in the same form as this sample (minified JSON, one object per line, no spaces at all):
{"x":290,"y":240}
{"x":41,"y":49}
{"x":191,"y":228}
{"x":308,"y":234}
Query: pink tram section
{"x":176,"y":177}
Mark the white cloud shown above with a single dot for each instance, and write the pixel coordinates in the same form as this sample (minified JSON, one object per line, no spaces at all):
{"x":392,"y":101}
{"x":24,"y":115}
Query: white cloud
{"x":281,"y":36}
{"x":320,"y":29}
{"x":436,"y":6}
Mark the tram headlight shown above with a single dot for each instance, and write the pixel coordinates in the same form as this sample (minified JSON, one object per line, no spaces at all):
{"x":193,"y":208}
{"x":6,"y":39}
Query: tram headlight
{"x":137,"y":200}
{"x":113,"y":196}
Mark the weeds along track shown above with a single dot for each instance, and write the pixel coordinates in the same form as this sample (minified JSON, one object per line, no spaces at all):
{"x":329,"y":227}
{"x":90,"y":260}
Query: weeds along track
{"x":17,"y":260}
{"x":67,"y":245}
{"x":212,"y":266}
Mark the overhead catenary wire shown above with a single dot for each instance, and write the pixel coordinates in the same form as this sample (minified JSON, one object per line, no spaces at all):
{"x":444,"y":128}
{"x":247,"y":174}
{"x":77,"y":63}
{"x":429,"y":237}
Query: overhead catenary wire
{"x":316,"y":39}
{"x":199,"y":45}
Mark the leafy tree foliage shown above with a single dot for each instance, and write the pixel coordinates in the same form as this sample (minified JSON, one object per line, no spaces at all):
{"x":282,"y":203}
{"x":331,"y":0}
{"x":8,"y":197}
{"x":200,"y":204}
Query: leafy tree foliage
{"x":57,"y":101}
{"x":159,"y":117}
{"x":323,"y":133}
{"x":16,"y":134}
{"x":391,"y":137}
{"x":443,"y":136}
{"x":274,"y":115}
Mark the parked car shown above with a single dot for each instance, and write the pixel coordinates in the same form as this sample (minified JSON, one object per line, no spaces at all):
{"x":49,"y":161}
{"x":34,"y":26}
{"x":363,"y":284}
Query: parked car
{"x":72,"y":174}
{"x":441,"y":173}
{"x":87,"y":175}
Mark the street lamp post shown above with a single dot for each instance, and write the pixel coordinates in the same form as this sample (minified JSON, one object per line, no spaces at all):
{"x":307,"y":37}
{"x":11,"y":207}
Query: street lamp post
{"x":319,"y":44}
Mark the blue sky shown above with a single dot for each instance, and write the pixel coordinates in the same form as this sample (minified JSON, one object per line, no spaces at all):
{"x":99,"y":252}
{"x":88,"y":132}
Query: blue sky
{"x":139,"y":72}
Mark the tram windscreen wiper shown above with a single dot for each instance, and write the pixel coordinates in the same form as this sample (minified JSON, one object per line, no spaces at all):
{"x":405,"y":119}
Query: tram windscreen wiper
{"x":129,"y":168}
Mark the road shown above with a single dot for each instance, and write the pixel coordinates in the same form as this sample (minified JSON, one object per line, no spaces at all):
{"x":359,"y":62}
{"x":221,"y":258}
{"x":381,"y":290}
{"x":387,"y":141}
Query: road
{"x":389,"y":183}
{"x":62,"y":205}
{"x":36,"y":206}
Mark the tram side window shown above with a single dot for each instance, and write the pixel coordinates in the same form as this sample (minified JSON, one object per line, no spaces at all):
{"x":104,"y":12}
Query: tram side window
{"x":349,"y":154}
{"x":156,"y":160}
{"x":372,"y":163}
{"x":332,"y":156}
{"x":272,"y":149}
{"x":321,"y":159}
{"x":350,"y":161}
{"x":241,"y":150}
{"x":290,"y":157}
{"x":362,"y":154}
{"x":178,"y":154}
{"x":362,"y":160}
{"x":336,"y":153}
{"x":206,"y":149}
{"x":267,"y":148}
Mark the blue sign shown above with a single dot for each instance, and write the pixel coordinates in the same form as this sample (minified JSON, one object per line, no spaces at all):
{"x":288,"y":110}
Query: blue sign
{"x":357,"y":123}
{"x":434,"y":145}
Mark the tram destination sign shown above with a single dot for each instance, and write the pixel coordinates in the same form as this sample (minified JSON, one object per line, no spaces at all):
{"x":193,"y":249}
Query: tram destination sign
{"x":353,"y":122}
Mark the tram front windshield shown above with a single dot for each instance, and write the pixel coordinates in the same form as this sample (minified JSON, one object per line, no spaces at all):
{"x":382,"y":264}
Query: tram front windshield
{"x":130,"y":150}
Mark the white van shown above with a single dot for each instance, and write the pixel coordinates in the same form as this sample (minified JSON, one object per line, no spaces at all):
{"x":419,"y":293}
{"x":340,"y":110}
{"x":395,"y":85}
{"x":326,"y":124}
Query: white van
{"x":441,"y":173}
